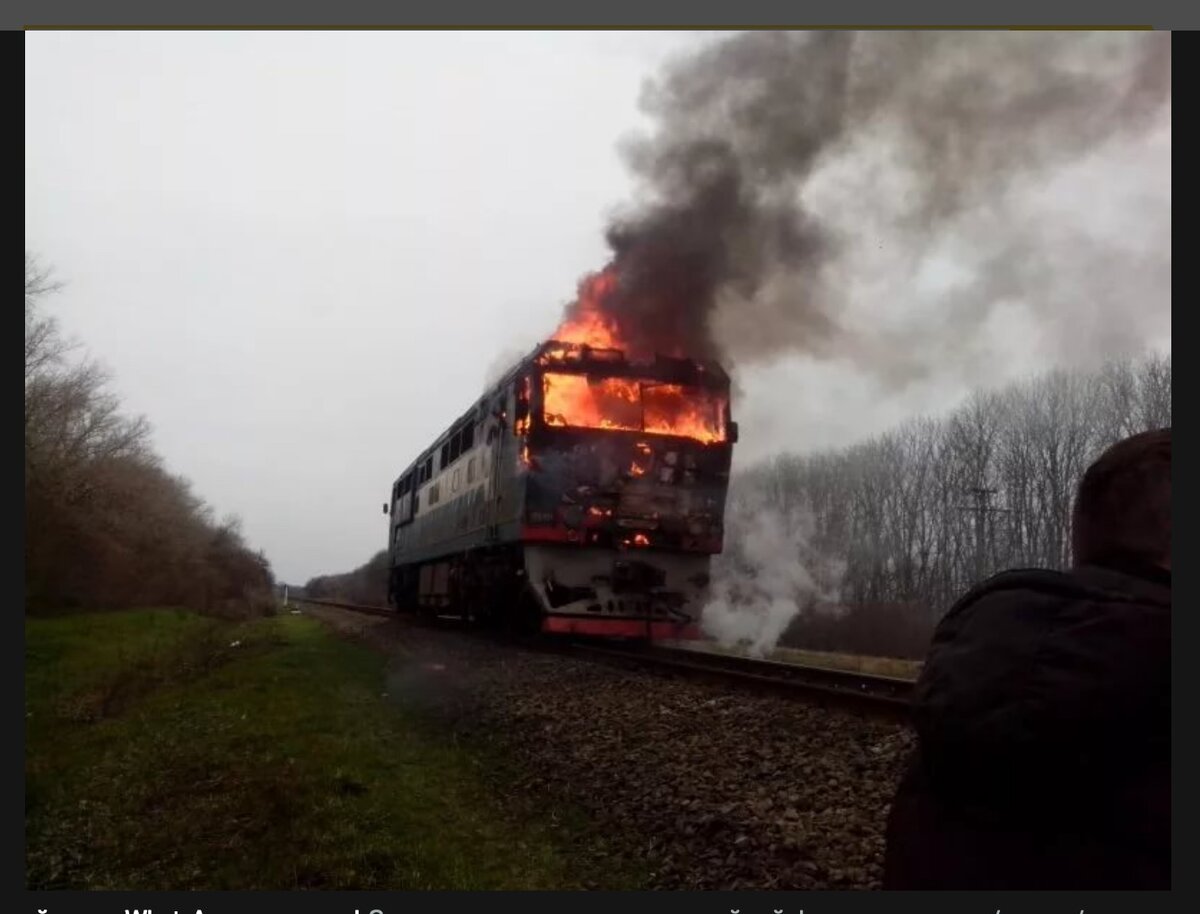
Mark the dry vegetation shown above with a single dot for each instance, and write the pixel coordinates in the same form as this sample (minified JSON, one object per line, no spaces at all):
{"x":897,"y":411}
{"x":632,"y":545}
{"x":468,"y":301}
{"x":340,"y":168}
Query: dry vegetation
{"x":106,"y":524}
{"x":366,"y":585}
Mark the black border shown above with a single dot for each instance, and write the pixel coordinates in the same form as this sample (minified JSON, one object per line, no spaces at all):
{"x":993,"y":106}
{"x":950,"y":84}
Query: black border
{"x":605,"y":902}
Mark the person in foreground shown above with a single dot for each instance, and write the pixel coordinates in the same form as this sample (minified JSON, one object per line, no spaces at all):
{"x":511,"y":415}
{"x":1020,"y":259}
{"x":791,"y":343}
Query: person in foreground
{"x":1043,"y":709}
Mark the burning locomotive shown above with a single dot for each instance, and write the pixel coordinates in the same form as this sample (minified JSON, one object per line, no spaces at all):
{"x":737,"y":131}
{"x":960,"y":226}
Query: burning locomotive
{"x":583,"y":493}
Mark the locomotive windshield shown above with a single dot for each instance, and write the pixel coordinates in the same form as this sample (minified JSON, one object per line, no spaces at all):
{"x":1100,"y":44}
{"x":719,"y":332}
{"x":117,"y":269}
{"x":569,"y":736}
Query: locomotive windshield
{"x":632,"y":404}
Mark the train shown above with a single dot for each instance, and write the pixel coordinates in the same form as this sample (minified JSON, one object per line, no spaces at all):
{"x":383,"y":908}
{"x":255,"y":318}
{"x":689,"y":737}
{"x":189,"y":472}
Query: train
{"x":582,"y":494}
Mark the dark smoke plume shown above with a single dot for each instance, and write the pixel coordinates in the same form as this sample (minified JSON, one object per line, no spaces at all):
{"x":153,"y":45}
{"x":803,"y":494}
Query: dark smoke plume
{"x":776,"y":155}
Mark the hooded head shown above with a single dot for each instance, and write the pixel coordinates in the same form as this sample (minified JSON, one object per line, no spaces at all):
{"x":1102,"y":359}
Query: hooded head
{"x":1122,"y":513}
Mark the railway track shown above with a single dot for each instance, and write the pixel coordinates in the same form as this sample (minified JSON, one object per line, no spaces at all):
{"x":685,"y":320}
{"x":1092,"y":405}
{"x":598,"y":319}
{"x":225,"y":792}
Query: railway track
{"x":356,"y":607}
{"x":867,"y":692}
{"x":880,"y":694}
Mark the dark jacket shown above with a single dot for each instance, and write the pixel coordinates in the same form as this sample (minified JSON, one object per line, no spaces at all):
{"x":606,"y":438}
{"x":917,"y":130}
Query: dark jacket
{"x":1043,"y":723}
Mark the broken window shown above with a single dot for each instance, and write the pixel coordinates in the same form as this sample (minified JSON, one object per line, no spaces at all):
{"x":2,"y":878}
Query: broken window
{"x":630,"y":404}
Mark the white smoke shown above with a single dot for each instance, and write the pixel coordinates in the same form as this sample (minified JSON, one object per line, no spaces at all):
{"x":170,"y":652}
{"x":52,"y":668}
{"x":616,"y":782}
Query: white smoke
{"x":769,"y":574}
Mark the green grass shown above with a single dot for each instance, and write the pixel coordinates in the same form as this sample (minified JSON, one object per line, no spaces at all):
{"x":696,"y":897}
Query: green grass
{"x":160,"y":757}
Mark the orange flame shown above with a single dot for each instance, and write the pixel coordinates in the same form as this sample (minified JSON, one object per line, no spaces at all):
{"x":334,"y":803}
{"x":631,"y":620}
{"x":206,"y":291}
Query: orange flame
{"x":632,"y":405}
{"x":589,"y":325}
{"x":521,"y":425}
{"x":624,"y":404}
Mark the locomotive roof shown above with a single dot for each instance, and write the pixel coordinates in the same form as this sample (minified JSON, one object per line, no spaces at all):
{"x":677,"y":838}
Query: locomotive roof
{"x":574,"y":357}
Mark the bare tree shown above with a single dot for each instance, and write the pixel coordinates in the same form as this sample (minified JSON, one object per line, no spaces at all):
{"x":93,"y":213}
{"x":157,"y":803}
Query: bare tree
{"x":920,"y":513}
{"x":105,"y":523}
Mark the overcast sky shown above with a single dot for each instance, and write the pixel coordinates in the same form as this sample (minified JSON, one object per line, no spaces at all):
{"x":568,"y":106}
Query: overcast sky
{"x":300,"y":253}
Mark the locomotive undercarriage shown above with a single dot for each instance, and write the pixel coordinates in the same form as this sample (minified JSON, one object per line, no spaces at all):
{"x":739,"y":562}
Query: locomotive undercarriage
{"x":560,"y":589}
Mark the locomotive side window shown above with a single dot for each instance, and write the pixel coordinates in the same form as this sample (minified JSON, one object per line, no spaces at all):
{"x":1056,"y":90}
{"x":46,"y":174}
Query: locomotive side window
{"x":428,"y":467}
{"x":468,"y":437}
{"x":455,"y":447}
{"x":445,"y":461}
{"x":405,"y":499}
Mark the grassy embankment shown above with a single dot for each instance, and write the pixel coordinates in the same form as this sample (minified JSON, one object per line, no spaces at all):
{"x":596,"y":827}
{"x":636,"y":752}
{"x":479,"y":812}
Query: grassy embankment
{"x":159,"y":755}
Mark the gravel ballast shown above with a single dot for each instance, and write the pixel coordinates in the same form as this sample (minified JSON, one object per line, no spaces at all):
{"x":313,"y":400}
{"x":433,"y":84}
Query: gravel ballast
{"x":714,"y":786}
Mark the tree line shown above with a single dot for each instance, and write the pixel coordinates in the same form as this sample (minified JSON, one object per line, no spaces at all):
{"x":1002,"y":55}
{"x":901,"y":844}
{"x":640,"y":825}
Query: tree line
{"x":901,"y":524}
{"x":106,"y":523}
{"x":366,"y":584}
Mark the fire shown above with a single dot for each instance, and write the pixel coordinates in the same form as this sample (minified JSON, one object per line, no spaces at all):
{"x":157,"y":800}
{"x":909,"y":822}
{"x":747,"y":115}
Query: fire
{"x":644,"y":453}
{"x":624,"y":404}
{"x":589,"y":325}
{"x":521,"y":426}
{"x":627,"y":404}
{"x":638,"y":539}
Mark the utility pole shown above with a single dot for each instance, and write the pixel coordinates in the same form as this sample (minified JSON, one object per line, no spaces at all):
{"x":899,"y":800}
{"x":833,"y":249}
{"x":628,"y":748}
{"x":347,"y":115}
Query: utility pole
{"x":982,"y":511}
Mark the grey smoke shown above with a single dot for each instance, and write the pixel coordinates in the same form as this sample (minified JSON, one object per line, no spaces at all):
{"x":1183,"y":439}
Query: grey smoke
{"x":503,"y":361}
{"x":800,"y":188}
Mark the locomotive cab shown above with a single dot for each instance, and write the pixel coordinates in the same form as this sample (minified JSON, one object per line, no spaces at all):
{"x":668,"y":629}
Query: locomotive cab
{"x":585,"y":493}
{"x":627,"y":466}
